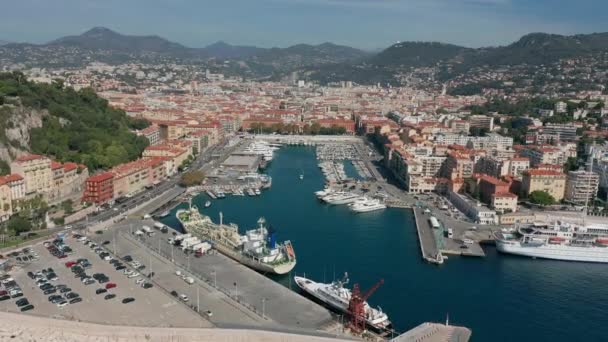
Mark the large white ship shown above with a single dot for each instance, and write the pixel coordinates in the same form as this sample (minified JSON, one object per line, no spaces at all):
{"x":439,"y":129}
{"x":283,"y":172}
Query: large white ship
{"x":337,"y":296}
{"x":560,"y":241}
{"x":257,"y":249}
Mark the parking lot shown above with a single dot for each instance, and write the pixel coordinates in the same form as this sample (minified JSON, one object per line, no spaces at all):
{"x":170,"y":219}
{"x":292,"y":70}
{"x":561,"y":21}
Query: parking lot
{"x":224,"y":311}
{"x":151,"y":307}
{"x":280,"y":305}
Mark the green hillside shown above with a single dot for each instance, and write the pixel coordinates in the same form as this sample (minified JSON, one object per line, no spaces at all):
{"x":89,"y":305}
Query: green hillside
{"x":81,"y":126}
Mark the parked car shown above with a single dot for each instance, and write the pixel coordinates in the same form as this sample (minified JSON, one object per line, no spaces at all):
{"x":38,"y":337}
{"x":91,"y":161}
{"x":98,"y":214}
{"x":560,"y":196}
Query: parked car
{"x":147,"y":285}
{"x":22,"y":302}
{"x":110,"y":285}
{"x":49,"y":291}
{"x":27,"y":308}
{"x":72,"y":295}
{"x":100,"y":291}
{"x":128,"y":300}
{"x":109,"y":296}
{"x":75,"y":300}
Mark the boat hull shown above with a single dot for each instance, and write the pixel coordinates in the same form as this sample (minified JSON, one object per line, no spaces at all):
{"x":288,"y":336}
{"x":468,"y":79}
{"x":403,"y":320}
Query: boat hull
{"x":554,"y":252}
{"x":254,"y":264}
{"x":338,"y":306}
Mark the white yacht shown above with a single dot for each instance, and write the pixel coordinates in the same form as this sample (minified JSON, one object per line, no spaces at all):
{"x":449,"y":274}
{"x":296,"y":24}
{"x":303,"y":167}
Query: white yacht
{"x":365,"y":205}
{"x":341,"y":198}
{"x":261,"y":148}
{"x":338,"y":297}
{"x":325,"y":192}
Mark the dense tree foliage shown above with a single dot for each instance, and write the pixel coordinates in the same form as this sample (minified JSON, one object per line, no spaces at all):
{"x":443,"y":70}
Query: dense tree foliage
{"x":192,"y":178}
{"x":81,"y":128}
{"x":17,"y":225}
{"x":5,"y":168}
{"x":541,"y":198}
{"x":522,"y":107}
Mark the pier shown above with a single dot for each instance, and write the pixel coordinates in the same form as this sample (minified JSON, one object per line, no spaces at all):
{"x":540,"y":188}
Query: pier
{"x":426,"y":237}
{"x":435,"y":332}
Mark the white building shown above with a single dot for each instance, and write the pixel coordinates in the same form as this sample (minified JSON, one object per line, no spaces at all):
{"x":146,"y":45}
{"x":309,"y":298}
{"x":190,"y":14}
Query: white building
{"x":474,"y":210}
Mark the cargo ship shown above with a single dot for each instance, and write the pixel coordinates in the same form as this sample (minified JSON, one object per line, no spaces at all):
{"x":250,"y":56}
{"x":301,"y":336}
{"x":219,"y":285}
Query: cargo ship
{"x":256,"y":249}
{"x":337,"y":296}
{"x":560,"y":241}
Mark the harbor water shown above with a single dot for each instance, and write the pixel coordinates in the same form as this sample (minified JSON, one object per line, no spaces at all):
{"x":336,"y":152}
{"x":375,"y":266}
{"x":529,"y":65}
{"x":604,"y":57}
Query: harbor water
{"x":501,"y":298}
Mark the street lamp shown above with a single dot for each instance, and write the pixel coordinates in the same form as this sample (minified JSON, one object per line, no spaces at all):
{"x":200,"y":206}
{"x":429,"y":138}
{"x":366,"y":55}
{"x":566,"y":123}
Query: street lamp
{"x":264,"y":299}
{"x":236,"y":291}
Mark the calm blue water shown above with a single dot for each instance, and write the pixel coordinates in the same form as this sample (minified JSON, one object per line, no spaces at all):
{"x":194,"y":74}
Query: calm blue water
{"x":502,"y":298}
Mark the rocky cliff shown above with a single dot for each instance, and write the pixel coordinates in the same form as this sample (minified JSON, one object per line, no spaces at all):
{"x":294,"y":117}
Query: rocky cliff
{"x":16,"y":122}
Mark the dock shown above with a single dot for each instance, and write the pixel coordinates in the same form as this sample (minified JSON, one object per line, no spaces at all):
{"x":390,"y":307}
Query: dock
{"x":435,"y":332}
{"x":397,"y":204}
{"x":426,"y":238}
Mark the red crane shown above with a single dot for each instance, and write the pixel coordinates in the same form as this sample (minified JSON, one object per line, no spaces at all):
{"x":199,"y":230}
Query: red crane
{"x":356,"y":306}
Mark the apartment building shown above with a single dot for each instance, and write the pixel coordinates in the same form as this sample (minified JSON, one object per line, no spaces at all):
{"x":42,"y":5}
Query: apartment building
{"x":581,"y":186}
{"x":481,"y":121}
{"x":152,"y":133}
{"x":552,"y":182}
{"x":173,"y":155}
{"x":99,"y":188}
{"x":474,"y":210}
{"x":130,"y":178}
{"x":504,"y":202}
{"x":564,"y":132}
{"x":199,"y":140}
{"x":545,"y":155}
{"x":17,"y":185}
{"x":35,"y":170}
{"x":458,"y":165}
{"x":6,"y":203}
{"x":489,"y":186}
{"x":68,"y":182}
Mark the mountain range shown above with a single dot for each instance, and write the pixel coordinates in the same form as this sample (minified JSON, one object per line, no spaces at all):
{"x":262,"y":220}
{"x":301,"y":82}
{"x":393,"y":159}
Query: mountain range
{"x":329,"y":62}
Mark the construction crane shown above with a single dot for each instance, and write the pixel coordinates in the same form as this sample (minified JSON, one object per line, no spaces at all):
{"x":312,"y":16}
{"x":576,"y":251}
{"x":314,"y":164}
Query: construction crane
{"x":356,"y":306}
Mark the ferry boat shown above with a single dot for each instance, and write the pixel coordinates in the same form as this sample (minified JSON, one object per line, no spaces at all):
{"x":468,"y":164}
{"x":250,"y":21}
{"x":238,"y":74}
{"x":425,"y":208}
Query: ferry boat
{"x":561,"y":241}
{"x":365,"y":205}
{"x":341,"y":198}
{"x":336,"y":296}
{"x":256,"y":249}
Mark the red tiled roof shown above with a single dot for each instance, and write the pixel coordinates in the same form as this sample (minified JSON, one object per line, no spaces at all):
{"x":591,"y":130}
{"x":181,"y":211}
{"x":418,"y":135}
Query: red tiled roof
{"x":55,"y":165}
{"x":504,"y":194}
{"x":537,"y":172}
{"x":29,"y":157}
{"x":100,"y":177}
{"x":70,"y":166}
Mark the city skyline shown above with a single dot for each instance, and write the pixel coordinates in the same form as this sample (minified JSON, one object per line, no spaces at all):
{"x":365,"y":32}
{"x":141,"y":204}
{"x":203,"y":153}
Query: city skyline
{"x":363,"y":24}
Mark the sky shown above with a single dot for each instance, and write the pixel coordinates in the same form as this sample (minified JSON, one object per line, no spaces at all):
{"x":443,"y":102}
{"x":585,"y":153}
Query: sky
{"x":367,"y":24}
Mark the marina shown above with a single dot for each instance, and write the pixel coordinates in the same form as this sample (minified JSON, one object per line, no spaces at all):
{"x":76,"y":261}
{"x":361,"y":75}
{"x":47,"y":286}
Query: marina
{"x":331,"y":240}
